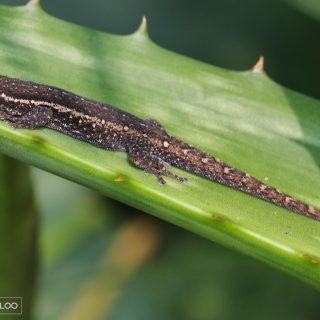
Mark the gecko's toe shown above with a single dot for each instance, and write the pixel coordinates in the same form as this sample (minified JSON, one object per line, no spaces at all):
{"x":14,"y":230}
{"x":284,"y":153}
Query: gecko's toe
{"x":152,"y":164}
{"x":161,"y":181}
{"x":179,"y":178}
{"x":157,"y":173}
{"x":183,"y":179}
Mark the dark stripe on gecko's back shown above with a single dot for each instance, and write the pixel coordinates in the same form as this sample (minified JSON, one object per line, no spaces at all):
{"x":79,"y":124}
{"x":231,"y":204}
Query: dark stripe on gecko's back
{"x":29,"y":90}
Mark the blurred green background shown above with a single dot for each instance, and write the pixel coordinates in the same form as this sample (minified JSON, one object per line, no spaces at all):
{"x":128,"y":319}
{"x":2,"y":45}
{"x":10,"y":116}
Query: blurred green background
{"x":102,"y":260}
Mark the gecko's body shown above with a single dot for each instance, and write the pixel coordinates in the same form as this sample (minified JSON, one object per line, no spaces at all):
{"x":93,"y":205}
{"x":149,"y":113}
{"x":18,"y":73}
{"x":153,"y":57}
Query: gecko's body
{"x":29,"y":105}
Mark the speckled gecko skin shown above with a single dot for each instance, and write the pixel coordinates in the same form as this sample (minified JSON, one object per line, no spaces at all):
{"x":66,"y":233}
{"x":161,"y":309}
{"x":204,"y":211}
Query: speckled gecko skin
{"x":30,"y":105}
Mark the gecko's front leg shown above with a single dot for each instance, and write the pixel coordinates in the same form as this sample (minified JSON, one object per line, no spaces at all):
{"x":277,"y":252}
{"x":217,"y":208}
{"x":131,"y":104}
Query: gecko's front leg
{"x":36,"y":117}
{"x":13,"y":109}
{"x":143,"y":158}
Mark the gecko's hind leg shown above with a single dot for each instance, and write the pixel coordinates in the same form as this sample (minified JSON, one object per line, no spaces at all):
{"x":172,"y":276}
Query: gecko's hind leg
{"x":37,"y":117}
{"x":152,"y":164}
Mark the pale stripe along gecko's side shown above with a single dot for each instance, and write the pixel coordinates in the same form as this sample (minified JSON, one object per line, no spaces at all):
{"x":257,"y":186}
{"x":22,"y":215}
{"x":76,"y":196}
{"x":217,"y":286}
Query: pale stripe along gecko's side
{"x":30,"y":105}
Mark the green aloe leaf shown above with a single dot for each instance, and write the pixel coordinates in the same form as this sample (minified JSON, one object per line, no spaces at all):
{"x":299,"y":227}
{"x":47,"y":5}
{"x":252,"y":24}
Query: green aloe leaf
{"x":243,"y":118}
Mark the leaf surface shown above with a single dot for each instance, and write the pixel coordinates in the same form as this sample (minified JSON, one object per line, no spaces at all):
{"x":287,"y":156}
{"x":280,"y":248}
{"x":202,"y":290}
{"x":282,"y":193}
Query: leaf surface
{"x":244,"y":118}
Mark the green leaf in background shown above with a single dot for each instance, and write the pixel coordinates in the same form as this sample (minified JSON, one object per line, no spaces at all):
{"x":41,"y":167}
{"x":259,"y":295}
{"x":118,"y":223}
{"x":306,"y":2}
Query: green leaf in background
{"x":18,"y":238}
{"x":103,"y":260}
{"x":243,"y":118}
{"x":308,"y":7}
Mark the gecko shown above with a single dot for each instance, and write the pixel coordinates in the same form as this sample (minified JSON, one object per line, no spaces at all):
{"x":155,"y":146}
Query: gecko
{"x":29,"y":105}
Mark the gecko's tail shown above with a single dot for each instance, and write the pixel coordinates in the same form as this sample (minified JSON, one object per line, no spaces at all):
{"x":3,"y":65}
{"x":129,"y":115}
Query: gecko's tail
{"x":207,"y":166}
{"x":248,"y":184}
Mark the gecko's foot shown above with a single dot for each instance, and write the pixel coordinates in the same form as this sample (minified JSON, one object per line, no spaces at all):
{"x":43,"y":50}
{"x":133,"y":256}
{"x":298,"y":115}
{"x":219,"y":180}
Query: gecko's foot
{"x":152,"y":164}
{"x":159,"y":175}
{"x":34,"y":118}
{"x":179,"y":178}
{"x":14,"y":110}
{"x":161,"y":181}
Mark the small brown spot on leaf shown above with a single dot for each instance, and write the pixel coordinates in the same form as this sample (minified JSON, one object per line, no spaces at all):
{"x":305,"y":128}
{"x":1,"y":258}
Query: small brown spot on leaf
{"x":38,"y":139}
{"x":312,"y":259}
{"x":120,"y":179}
{"x":217,"y":217}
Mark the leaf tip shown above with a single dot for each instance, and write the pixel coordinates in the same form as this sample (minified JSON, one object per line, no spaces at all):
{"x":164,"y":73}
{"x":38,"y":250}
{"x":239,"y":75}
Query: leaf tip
{"x":259,"y":66}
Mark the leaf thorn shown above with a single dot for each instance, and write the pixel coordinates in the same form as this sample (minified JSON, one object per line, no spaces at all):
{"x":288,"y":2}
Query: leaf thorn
{"x":33,"y":2}
{"x":259,"y":66}
{"x":142,"y":31}
{"x":143,"y":25}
